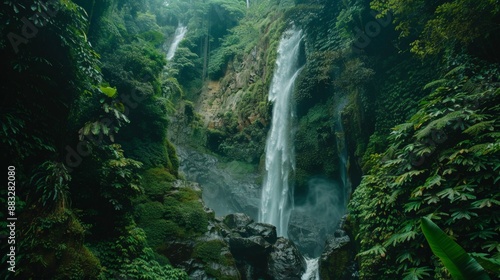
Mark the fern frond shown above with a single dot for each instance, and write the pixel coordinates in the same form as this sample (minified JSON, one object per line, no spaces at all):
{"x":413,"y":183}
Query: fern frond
{"x":434,"y":83}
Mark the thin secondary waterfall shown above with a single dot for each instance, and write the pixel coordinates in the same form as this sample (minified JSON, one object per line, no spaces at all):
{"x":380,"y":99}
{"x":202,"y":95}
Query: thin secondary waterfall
{"x":277,"y":194}
{"x":312,"y":271}
{"x":248,"y":3}
{"x":342,"y":150}
{"x":180,"y":32}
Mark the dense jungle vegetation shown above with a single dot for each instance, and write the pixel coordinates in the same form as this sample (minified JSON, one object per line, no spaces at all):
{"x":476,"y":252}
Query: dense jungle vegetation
{"x":92,"y":114}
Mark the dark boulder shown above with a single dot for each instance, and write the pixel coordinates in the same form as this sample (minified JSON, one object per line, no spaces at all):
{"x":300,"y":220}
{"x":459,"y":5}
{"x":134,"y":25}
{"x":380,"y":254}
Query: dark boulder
{"x":258,"y":252}
{"x":248,"y":247}
{"x":237,"y":220}
{"x":268,"y":232}
{"x":285,"y":261}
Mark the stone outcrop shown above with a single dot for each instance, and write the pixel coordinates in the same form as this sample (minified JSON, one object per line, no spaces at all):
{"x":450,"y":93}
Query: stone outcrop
{"x":337,"y":260}
{"x":223,"y":191}
{"x":236,"y":247}
{"x":259,"y":253}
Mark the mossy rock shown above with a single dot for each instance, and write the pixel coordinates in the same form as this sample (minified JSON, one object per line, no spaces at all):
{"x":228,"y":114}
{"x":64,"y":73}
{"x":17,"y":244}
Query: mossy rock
{"x":54,"y":249}
{"x":172,"y":158}
{"x":215,"y":255}
{"x":78,"y":263}
{"x":156,"y":182}
{"x":159,"y":231}
{"x":149,"y":212}
{"x":185,"y":209}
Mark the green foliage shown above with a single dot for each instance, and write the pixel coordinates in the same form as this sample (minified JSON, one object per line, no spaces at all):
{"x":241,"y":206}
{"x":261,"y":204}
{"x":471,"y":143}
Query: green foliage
{"x":65,"y":68}
{"x":315,"y":145}
{"x":119,"y":178}
{"x":442,"y":25}
{"x":440,"y":164}
{"x":214,"y":251}
{"x":187,"y":213}
{"x":51,"y":180}
{"x":156,"y":182}
{"x":59,"y":95}
{"x":185,"y":65}
{"x":129,"y":256}
{"x":455,"y":259}
{"x":109,"y":91}
{"x":209,"y":251}
{"x":166,"y":212}
{"x":53,"y":248}
{"x":241,"y":39}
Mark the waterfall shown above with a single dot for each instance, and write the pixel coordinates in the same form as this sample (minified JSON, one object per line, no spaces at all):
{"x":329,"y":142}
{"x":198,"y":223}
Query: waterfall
{"x":248,"y":4}
{"x":180,"y":32}
{"x":342,"y":150}
{"x":277,"y":194}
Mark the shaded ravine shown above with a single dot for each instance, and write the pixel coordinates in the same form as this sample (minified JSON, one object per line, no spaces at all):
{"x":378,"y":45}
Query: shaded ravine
{"x":226,"y":191}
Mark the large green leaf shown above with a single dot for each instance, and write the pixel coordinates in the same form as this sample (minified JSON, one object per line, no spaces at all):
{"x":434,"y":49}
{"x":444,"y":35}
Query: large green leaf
{"x":460,"y":264}
{"x":109,"y":91}
{"x":492,"y":265}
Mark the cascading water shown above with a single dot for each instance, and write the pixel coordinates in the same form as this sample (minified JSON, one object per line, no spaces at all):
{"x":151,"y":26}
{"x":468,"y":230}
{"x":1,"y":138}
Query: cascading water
{"x":248,"y":4}
{"x":277,"y":195}
{"x":312,"y":272}
{"x":180,"y":32}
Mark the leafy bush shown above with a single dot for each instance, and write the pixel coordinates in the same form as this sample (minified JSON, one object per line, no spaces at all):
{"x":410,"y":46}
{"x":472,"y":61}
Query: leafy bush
{"x":128,"y":256}
{"x":156,"y":182}
{"x":53,"y":248}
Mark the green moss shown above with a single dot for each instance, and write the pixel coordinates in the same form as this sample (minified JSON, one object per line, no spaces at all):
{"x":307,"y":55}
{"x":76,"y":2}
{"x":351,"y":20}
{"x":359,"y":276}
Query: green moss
{"x":173,"y":160}
{"x":189,"y":215}
{"x":335,"y":266}
{"x":209,"y":251}
{"x":78,"y":264}
{"x":179,"y":215}
{"x":149,"y":212}
{"x":53,"y":248}
{"x":156,"y":182}
{"x":157,"y":232}
{"x":316,"y":152}
{"x":214,"y":251}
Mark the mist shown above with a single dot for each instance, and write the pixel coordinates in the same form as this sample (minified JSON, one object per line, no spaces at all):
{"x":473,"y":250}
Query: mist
{"x":317,"y":215}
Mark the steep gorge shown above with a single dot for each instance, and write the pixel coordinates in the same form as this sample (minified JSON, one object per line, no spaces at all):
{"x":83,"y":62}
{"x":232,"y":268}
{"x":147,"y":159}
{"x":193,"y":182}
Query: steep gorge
{"x":150,"y":136}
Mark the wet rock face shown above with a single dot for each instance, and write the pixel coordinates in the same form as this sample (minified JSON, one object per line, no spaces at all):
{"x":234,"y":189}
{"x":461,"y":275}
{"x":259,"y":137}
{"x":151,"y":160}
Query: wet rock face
{"x":285,"y":261}
{"x":259,"y":253}
{"x":310,"y":235}
{"x":224,"y":192}
{"x":267,"y":231}
{"x":337,"y":261}
{"x":237,"y":220}
{"x":236,"y":247}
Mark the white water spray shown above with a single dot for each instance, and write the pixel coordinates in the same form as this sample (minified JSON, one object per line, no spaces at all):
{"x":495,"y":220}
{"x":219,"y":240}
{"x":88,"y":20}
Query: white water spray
{"x":180,"y":32}
{"x":312,"y":272}
{"x":277,"y":194}
{"x":248,"y":4}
